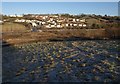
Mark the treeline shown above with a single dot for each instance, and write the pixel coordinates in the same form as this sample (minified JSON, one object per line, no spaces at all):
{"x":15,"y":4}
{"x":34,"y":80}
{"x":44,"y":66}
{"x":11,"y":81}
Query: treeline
{"x":105,"y":17}
{"x":105,"y":21}
{"x":104,"y":25}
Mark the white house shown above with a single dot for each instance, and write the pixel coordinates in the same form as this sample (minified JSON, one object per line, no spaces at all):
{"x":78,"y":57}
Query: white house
{"x":1,"y":21}
{"x":39,"y":22}
{"x":83,"y":20}
{"x":75,"y":24}
{"x":84,"y":25}
{"x":22,"y":20}
{"x":43,"y":17}
{"x":71,"y":24}
{"x":34,"y":24}
{"x":52,"y":25}
{"x":48,"y":21}
{"x":16,"y":15}
{"x":51,"y":19}
{"x":53,"y":22}
{"x":43,"y":23}
{"x":80,"y":25}
{"x":28,"y":21}
{"x":77,"y":19}
{"x":58,"y":26}
{"x":47,"y":26}
{"x":66,"y":25}
{"x":17,"y":20}
{"x":19,"y":15}
{"x":74,"y":20}
{"x":12,"y":15}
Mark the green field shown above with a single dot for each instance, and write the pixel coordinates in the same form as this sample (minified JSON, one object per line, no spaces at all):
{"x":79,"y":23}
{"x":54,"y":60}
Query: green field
{"x":13,"y":27}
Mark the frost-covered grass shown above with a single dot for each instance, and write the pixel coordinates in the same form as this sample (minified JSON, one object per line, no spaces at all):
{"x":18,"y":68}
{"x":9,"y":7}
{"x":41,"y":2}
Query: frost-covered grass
{"x":73,"y":61}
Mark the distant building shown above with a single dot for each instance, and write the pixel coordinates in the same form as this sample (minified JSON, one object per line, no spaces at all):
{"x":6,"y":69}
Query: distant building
{"x":80,"y":25}
{"x":83,"y":20}
{"x":52,"y":21}
{"x":75,"y":24}
{"x":12,"y":15}
{"x":16,"y":15}
{"x":84,"y":25}
{"x":58,"y":26}
{"x":19,"y":15}
{"x":21,"y":20}
{"x":1,"y":22}
{"x":48,"y":26}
